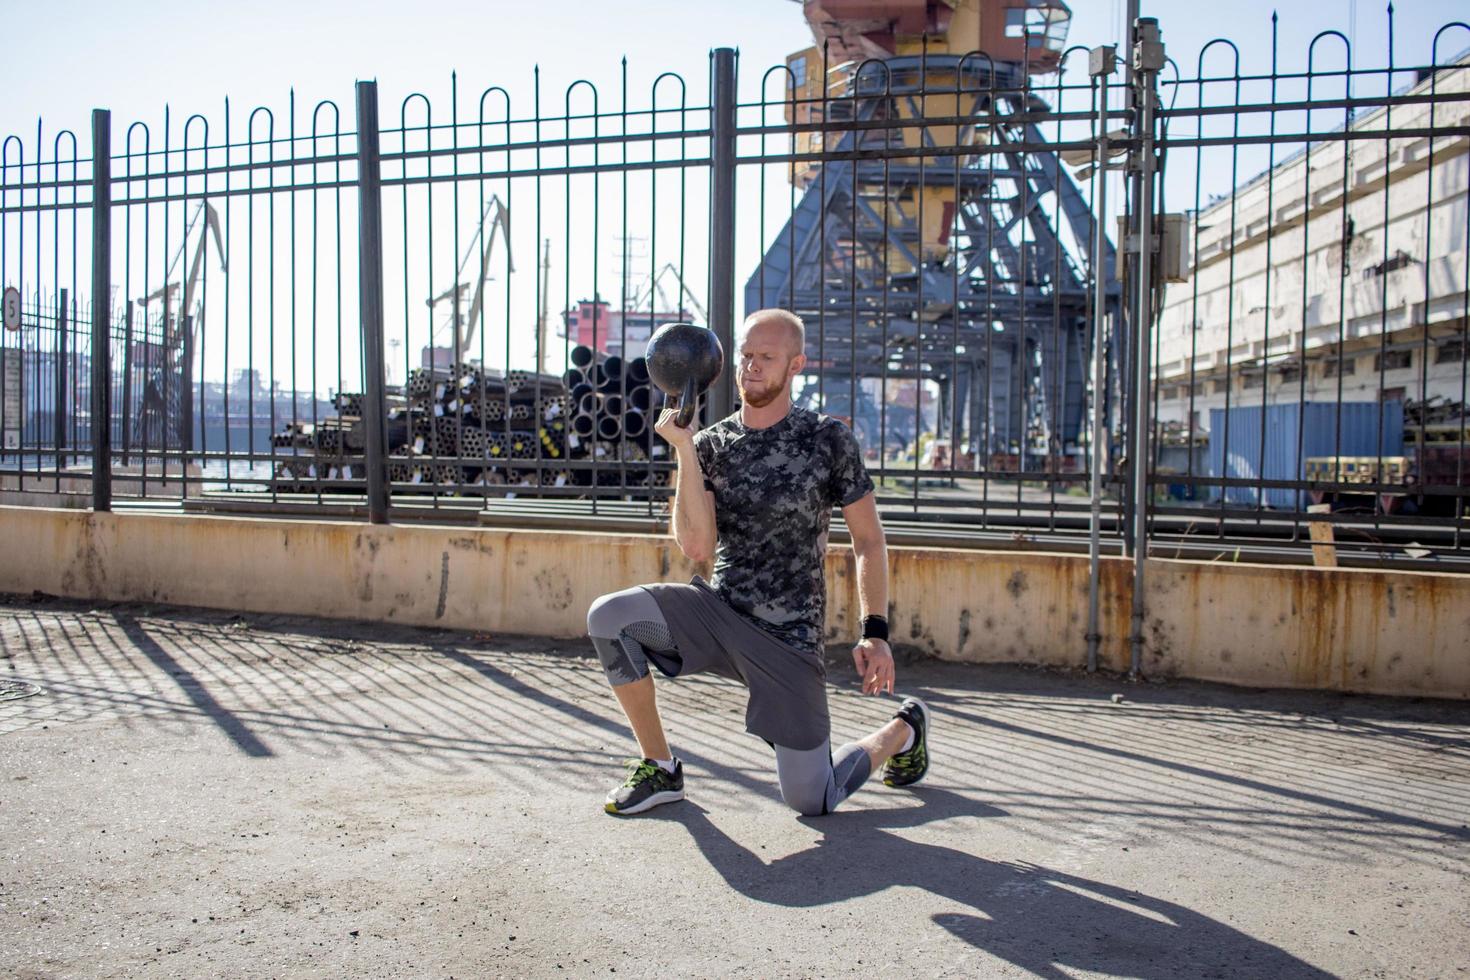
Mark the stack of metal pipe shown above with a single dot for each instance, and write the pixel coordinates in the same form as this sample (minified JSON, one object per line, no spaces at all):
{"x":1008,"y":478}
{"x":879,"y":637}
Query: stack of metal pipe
{"x":449,"y":428}
{"x":472,"y":426}
{"x":612,"y":408}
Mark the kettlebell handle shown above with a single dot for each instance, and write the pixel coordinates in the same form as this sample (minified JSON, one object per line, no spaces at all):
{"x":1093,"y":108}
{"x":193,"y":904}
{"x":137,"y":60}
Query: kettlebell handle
{"x":688,"y":403}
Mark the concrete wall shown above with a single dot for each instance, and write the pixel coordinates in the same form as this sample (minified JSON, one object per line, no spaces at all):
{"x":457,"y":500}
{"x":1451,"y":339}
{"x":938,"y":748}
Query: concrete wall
{"x":1286,"y":626}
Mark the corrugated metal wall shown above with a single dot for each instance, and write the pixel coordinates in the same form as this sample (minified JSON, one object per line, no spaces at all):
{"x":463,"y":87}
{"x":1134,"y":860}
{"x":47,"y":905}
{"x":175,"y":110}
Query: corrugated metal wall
{"x":1237,"y":450}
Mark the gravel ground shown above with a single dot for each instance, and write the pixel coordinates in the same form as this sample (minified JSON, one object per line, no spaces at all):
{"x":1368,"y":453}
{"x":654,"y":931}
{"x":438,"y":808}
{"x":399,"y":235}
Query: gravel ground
{"x":192,"y":793}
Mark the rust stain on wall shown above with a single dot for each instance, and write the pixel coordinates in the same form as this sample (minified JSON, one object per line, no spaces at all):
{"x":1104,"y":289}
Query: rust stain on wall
{"x":443,"y":586}
{"x":1346,"y":629}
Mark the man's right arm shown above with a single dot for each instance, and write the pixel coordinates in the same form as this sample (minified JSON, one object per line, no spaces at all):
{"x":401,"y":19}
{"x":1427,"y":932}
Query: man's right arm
{"x":694,"y":506}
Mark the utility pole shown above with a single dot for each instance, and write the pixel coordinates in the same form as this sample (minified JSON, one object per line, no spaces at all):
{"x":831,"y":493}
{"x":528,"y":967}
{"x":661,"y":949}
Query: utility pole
{"x":1102,"y":64}
{"x":542,"y":340}
{"x":1148,"y":61}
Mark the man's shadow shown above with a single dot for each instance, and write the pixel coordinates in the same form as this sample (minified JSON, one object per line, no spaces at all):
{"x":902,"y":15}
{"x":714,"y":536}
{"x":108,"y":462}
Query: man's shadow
{"x":1033,"y":917}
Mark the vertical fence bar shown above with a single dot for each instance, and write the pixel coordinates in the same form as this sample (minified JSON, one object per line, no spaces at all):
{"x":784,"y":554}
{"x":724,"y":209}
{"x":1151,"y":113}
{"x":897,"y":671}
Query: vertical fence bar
{"x":127,"y":379}
{"x":58,"y":403}
{"x":722,"y":227}
{"x":101,"y":310}
{"x":370,"y":297}
{"x":186,"y":397}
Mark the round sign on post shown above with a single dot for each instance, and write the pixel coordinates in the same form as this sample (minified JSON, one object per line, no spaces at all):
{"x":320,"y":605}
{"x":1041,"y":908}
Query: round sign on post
{"x":12,"y":308}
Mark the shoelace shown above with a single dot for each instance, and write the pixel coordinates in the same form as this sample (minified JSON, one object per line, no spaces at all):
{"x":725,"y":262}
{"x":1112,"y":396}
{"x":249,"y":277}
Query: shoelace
{"x":907,"y":761}
{"x":639,"y":770}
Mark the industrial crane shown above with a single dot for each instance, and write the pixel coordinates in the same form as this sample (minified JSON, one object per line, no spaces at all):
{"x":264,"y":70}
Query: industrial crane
{"x":462,"y":330}
{"x":954,"y":273}
{"x":167,"y":379}
{"x":656,"y":285}
{"x":172,"y":324}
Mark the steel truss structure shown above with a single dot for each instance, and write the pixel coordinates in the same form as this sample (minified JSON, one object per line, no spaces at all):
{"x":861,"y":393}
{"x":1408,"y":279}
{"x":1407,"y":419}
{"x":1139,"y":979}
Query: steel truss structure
{"x":997,"y":314}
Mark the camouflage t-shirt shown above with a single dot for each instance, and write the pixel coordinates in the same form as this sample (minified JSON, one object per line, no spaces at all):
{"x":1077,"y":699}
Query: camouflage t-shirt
{"x":774,"y":493}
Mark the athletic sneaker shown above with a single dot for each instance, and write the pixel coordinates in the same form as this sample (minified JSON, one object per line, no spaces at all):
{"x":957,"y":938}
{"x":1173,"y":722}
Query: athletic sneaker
{"x":909,"y":767}
{"x":646,"y":787}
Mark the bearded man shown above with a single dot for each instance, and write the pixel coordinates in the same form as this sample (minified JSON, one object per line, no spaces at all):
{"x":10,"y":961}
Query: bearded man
{"x":755,"y":492}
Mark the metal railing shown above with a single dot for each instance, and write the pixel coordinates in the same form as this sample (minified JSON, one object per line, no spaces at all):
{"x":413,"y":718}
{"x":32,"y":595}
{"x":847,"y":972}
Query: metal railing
{"x":444,"y":311}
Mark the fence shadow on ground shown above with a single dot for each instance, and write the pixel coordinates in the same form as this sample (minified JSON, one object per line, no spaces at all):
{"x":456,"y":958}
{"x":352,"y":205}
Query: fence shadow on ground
{"x":1280,"y":774}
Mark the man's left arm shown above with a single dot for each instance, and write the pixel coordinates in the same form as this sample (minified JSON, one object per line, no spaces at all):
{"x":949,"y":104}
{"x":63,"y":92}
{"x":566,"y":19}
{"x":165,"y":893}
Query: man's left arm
{"x":871,"y":656}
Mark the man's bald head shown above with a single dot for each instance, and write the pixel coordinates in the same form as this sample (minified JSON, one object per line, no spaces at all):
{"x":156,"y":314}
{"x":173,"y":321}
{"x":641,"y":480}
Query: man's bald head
{"x":772,"y":352}
{"x":784,"y":320}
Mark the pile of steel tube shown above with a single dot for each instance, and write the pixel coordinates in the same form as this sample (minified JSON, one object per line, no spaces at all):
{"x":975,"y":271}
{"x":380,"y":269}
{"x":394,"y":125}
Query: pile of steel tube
{"x":613,"y":407}
{"x":449,"y":428}
{"x":457,"y":429}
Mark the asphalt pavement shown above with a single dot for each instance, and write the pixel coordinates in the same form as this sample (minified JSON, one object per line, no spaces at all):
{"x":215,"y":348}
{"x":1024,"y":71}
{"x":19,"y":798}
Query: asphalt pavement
{"x":189,"y":793}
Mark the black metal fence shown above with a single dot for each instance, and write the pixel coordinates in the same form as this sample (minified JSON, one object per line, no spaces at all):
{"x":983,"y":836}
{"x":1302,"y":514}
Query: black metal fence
{"x":445,"y":312}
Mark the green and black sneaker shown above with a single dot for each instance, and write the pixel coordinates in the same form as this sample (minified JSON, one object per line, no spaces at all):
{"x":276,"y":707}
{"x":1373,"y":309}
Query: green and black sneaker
{"x":646,"y":787}
{"x":909,"y":767}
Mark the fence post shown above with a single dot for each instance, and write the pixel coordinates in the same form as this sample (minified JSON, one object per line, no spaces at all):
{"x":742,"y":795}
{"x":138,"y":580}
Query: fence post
{"x":101,"y":310}
{"x":58,"y":402}
{"x":1148,"y":56}
{"x":370,"y":299}
{"x":722,"y":227}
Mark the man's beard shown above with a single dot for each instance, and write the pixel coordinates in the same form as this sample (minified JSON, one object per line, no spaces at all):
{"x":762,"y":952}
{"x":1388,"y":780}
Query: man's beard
{"x":762,"y":398}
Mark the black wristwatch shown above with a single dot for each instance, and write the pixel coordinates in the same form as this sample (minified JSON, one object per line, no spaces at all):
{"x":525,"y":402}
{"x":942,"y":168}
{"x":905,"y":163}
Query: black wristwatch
{"x":875,"y":628}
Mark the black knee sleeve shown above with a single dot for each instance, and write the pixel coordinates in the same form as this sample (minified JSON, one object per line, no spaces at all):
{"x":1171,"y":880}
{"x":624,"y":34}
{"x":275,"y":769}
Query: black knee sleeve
{"x":624,"y":626}
{"x":623,"y":659}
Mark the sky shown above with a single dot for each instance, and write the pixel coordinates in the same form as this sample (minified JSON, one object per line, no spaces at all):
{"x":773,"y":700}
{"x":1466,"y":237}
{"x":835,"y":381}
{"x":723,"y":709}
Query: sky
{"x":66,"y":57}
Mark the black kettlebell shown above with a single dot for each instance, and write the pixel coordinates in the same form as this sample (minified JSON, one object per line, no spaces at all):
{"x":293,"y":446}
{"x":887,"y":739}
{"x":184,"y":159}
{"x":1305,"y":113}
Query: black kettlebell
{"x":683,"y":361}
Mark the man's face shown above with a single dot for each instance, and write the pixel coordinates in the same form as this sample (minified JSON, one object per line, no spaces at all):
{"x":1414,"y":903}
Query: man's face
{"x":768,"y":361}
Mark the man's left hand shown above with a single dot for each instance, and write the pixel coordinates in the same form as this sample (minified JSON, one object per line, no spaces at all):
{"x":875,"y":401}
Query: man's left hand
{"x":874,"y":661}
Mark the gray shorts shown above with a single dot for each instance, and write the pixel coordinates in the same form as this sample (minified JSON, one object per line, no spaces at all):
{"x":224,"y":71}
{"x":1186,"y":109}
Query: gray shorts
{"x":788,"y":692}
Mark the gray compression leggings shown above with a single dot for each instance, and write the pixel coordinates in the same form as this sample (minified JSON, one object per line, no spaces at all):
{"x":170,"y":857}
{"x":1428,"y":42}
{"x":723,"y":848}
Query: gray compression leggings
{"x":629,"y":631}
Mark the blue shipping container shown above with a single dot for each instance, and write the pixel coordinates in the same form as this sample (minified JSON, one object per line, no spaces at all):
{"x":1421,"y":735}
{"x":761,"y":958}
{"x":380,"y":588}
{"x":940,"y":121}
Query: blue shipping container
{"x":1326,"y":429}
